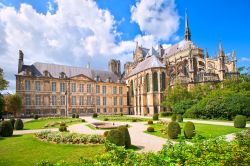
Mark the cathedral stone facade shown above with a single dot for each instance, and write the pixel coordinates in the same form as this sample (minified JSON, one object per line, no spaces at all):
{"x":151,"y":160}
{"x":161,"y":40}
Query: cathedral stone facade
{"x":51,"y":89}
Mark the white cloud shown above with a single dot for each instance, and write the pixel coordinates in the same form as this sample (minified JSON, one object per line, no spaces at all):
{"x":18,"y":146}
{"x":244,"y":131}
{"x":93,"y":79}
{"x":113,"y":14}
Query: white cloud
{"x":156,"y":17}
{"x":245,"y":59}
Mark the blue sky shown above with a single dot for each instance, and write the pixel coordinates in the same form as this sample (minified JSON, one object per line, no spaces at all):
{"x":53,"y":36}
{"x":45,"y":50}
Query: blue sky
{"x":109,"y":28}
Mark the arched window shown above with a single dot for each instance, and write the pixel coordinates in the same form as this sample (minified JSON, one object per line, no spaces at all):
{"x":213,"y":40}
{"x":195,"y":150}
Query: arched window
{"x":148,"y":82}
{"x":155,"y":81}
{"x":163,"y":81}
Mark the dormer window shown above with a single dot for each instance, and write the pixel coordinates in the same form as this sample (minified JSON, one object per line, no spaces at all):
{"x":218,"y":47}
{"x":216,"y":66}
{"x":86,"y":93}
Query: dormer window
{"x":27,"y":72}
{"x":97,"y":78}
{"x":62,"y":75}
{"x":46,"y":73}
{"x":109,"y":79}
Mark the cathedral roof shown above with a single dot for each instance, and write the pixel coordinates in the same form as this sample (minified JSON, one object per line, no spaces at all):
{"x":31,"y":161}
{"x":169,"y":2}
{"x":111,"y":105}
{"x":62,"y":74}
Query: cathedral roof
{"x":149,"y":62}
{"x":37,"y":69}
{"x":153,"y":52}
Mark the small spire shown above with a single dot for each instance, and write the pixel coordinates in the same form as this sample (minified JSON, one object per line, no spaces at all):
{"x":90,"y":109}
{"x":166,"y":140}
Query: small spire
{"x":207,"y":56}
{"x":215,"y":56}
{"x":233,"y":55}
{"x":220,"y":46}
{"x":187,"y":31}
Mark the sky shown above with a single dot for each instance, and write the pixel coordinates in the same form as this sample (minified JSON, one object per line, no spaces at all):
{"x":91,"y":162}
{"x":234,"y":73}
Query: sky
{"x":78,"y":32}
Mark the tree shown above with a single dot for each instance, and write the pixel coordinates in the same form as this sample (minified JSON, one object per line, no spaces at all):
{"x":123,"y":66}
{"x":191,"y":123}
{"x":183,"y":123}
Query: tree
{"x":13,"y":103}
{"x":1,"y":105}
{"x":3,"y":83}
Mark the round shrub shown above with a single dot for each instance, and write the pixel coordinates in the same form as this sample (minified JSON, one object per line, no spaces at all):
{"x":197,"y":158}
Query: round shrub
{"x":77,"y":115}
{"x":19,"y":124}
{"x":6,"y":129}
{"x":134,"y":120}
{"x":105,"y":134}
{"x":173,"y":130}
{"x":150,"y":129}
{"x":62,"y":128}
{"x":174,"y":117}
{"x":36,"y":117}
{"x":179,"y":118}
{"x":116,"y":137}
{"x":62,"y":124}
{"x":105,"y":119}
{"x":73,"y":115}
{"x":240,"y":121}
{"x":156,"y":116}
{"x":12,"y":121}
{"x":94,"y":115}
{"x":150,"y":122}
{"x":125,"y":133}
{"x":189,"y":130}
{"x":121,"y":114}
{"x":83,"y":120}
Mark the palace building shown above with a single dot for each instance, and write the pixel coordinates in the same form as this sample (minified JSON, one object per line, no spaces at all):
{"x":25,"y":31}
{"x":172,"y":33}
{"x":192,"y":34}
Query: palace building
{"x":59,"y":89}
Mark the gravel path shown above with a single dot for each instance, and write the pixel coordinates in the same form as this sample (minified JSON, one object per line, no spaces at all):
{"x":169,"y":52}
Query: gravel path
{"x":21,"y":132}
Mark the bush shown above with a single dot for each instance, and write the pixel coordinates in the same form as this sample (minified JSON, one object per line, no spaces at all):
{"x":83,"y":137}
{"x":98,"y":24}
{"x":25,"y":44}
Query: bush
{"x":19,"y":124}
{"x":6,"y":129}
{"x":105,"y":119}
{"x":36,"y":117}
{"x":62,"y":124}
{"x":179,"y":118}
{"x":83,"y":120}
{"x":165,"y":114}
{"x":95,"y":115}
{"x":77,"y":115}
{"x":134,"y":120}
{"x":62,"y":128}
{"x":116,"y":137}
{"x":73,"y":115}
{"x":126,"y":135}
{"x":174,"y":117}
{"x":156,"y":116}
{"x":121,"y":114}
{"x":12,"y":121}
{"x":240,"y":121}
{"x":150,"y":122}
{"x":173,"y":130}
{"x":150,"y":129}
{"x":189,"y":130}
{"x":105,"y":134}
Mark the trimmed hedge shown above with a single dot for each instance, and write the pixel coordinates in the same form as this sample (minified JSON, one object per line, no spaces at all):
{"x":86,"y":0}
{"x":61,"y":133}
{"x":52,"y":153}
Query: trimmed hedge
{"x":73,"y":115}
{"x":165,"y":114}
{"x":179,"y":118}
{"x":150,"y":122}
{"x":189,"y":130}
{"x":77,"y":115}
{"x":105,"y":119}
{"x":12,"y":121}
{"x":95,"y":115}
{"x":6,"y":129}
{"x":150,"y":129}
{"x":173,"y":130}
{"x":240,"y":121}
{"x":156,"y":116}
{"x":174,"y":117}
{"x":116,"y":137}
{"x":36,"y":117}
{"x":19,"y":124}
{"x":126,"y":135}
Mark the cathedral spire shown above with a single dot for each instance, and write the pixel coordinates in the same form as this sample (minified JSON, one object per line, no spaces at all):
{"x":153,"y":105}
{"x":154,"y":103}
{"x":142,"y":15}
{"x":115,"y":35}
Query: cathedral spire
{"x":187,"y":31}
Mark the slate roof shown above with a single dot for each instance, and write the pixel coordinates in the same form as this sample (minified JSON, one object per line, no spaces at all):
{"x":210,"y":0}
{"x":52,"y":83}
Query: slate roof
{"x":147,"y":63}
{"x":37,"y":69}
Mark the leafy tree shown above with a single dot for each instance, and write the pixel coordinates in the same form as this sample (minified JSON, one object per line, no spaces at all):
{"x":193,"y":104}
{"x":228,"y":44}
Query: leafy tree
{"x":3,"y":83}
{"x":13,"y":103}
{"x":1,"y":105}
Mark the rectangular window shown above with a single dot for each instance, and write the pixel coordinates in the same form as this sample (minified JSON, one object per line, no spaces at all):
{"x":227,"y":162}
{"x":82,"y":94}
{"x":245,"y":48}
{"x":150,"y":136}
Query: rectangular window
{"x":73,"y":110}
{"x":104,"y":110}
{"x":62,"y":100}
{"x":97,"y":88}
{"x":114,"y":90}
{"x":27,"y":100}
{"x":53,"y":87}
{"x":81,"y":87}
{"x":73,"y":87}
{"x":121,"y":110}
{"x":121,"y":101}
{"x":120,"y":90}
{"x":38,"y":86}
{"x":115,"y":109}
{"x":53,"y":102}
{"x":81,"y":101}
{"x":88,"y":100}
{"x":98,"y":110}
{"x":88,"y":88}
{"x":27,"y":84}
{"x":62,"y":87}
{"x":104,"y":89}
{"x":38,"y":100}
{"x":115,"y":100}
{"x":104,"y":100}
{"x":73,"y":100}
{"x":98,"y":100}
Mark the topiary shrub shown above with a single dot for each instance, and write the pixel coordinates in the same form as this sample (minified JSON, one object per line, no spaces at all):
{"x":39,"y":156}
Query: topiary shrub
{"x":62,"y":127}
{"x":6,"y":129}
{"x":126,"y":135}
{"x":36,"y":116}
{"x":174,"y":117}
{"x":105,"y":134}
{"x":134,"y":120}
{"x":19,"y":124}
{"x":150,"y":129}
{"x":156,"y":116}
{"x":116,"y":137}
{"x":121,"y":114}
{"x":150,"y":122}
{"x":77,"y":115}
{"x":173,"y":130}
{"x":12,"y":121}
{"x":73,"y":115}
{"x":95,"y":115}
{"x":105,"y":119}
{"x":240,"y":121}
{"x":179,"y":118}
{"x":189,"y":130}
{"x":83,"y":120}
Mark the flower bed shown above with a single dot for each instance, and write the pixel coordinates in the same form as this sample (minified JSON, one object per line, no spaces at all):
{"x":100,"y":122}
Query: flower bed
{"x":52,"y":124}
{"x":69,"y":138}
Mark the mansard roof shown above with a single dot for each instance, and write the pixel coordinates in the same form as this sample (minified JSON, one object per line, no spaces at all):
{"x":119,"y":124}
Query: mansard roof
{"x":147,"y":63}
{"x":54,"y":70}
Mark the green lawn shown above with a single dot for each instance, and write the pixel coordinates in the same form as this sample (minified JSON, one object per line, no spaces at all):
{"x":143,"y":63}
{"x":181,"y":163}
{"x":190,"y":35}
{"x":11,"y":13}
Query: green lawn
{"x":123,"y":118}
{"x":205,"y":130}
{"x":40,"y":123}
{"x":27,"y":150}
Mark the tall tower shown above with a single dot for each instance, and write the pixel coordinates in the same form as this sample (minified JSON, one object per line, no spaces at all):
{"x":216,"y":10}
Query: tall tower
{"x":187,"y":31}
{"x":115,"y":67}
{"x":221,"y":58}
{"x":20,"y":61}
{"x":234,"y":61}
